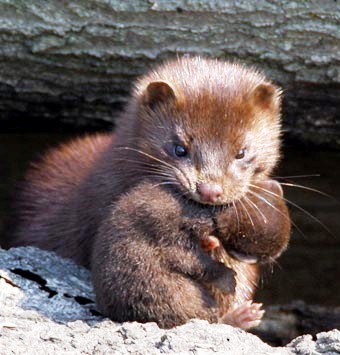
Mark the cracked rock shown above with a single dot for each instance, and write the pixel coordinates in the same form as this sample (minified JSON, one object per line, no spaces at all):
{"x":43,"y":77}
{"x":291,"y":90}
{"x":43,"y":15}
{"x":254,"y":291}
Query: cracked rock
{"x":45,"y":310}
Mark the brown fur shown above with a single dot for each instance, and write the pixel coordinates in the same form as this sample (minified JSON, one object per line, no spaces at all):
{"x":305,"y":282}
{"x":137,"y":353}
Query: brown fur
{"x":148,"y":263}
{"x":86,"y":200}
{"x":260,"y":225}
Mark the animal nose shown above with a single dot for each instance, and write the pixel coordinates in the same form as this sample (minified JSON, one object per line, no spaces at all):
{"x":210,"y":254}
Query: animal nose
{"x":209,"y":192}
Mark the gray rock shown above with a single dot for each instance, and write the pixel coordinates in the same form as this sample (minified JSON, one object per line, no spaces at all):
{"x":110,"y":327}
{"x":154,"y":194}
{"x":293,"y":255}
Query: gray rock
{"x":47,"y":307}
{"x":41,"y":281}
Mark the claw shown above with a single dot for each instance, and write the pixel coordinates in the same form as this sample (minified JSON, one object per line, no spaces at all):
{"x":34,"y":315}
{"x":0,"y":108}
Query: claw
{"x":245,"y":316}
{"x":209,"y":243}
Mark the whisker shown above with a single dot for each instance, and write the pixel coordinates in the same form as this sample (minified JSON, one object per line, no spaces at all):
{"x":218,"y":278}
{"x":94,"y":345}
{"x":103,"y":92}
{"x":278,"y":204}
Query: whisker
{"x":164,"y":177}
{"x":164,"y":183}
{"x":148,"y":155}
{"x":251,"y":220}
{"x":296,"y":206}
{"x":252,"y":203}
{"x":277,"y":210}
{"x":155,"y":172}
{"x":237,"y":217}
{"x":156,"y":159}
{"x":183,"y":194}
{"x":296,"y":176}
{"x":266,"y":201}
{"x":158,"y":172}
{"x":147,"y":165}
{"x":310,"y":189}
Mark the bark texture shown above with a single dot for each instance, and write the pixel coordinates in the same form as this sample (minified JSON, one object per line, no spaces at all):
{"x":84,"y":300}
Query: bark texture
{"x":74,"y":61}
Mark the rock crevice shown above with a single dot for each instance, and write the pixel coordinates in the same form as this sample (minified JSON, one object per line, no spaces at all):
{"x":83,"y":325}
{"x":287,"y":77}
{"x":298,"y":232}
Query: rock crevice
{"x":45,"y":310}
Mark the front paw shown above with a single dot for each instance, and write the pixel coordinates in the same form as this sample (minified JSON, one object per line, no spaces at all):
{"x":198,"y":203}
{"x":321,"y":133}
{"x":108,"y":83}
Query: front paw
{"x":221,"y":277}
{"x":209,"y":243}
{"x":245,"y":316}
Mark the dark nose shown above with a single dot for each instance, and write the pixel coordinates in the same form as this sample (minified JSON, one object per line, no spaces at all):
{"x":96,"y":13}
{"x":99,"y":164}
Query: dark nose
{"x":209,"y":192}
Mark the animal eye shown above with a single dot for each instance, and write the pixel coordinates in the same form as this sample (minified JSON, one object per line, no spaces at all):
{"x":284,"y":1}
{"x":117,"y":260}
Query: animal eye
{"x":241,"y":154}
{"x":180,"y":151}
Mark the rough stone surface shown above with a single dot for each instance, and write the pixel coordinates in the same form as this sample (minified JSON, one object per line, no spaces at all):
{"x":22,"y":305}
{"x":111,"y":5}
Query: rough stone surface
{"x":74,"y":61}
{"x":46,"y":307}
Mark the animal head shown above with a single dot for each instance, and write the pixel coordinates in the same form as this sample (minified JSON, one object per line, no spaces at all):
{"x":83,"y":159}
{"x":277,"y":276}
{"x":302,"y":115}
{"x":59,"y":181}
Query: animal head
{"x":211,"y":128}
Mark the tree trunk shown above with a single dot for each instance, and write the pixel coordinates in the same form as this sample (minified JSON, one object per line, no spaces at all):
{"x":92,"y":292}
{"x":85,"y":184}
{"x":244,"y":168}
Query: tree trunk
{"x":73,"y":62}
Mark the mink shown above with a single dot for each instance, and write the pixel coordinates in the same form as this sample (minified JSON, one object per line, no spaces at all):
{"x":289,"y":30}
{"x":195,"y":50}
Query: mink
{"x":208,"y":130}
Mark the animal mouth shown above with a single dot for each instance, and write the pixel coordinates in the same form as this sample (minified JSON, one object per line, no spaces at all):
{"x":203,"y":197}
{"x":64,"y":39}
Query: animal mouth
{"x":245,"y":258}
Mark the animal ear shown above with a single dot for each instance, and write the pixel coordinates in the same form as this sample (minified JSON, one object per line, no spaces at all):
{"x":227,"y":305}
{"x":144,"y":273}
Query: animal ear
{"x":159,"y":92}
{"x":266,"y":96}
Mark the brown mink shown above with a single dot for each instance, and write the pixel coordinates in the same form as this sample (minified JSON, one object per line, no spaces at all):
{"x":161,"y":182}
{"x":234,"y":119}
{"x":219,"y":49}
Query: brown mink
{"x":150,"y":261}
{"x":208,"y":129}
